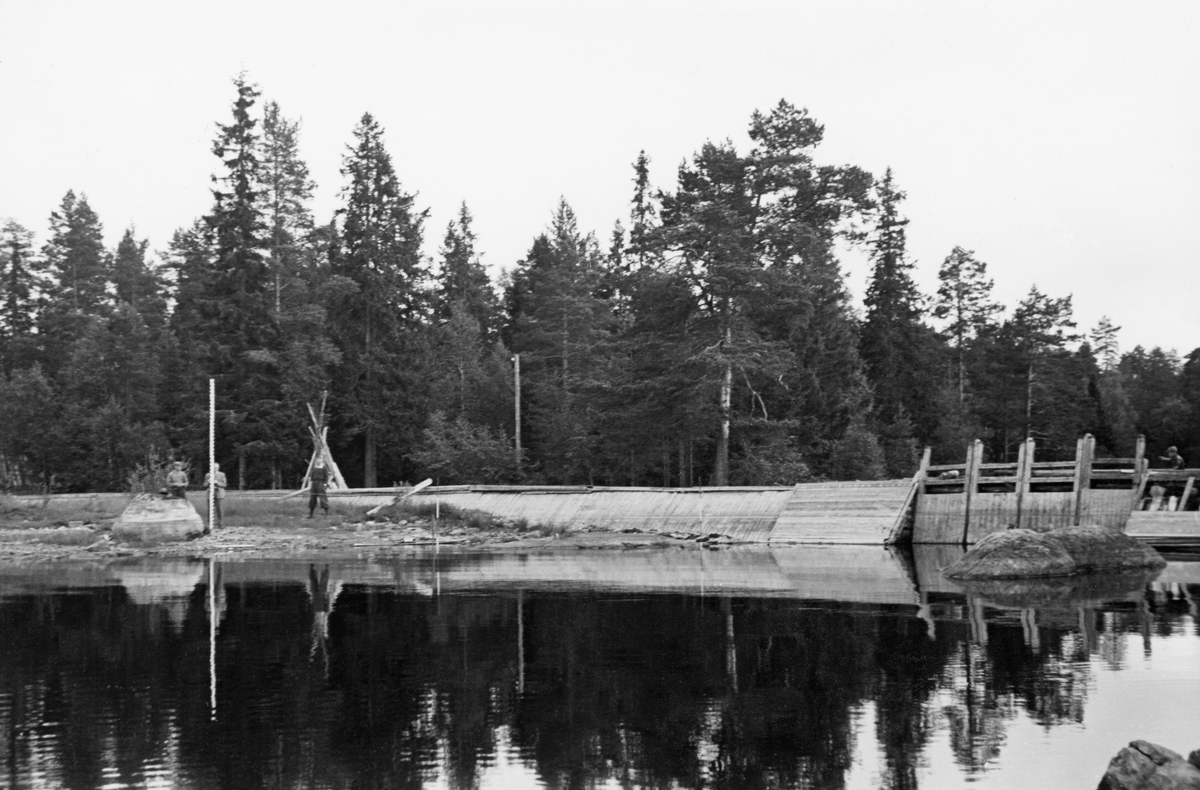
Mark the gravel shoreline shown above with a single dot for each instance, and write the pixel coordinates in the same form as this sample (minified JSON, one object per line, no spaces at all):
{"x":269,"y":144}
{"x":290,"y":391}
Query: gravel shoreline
{"x":87,"y":542}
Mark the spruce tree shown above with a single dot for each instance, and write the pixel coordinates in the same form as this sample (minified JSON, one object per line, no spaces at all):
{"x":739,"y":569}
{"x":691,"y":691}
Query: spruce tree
{"x":76,"y":259}
{"x":557,"y":327}
{"x":379,"y":329}
{"x":1040,"y":328}
{"x":77,"y":270}
{"x":898,"y":349}
{"x":288,"y":191}
{"x":137,"y":283}
{"x":462,"y":281}
{"x":224,"y":318}
{"x":240,"y":286}
{"x":1155,"y":388}
{"x":19,"y":289}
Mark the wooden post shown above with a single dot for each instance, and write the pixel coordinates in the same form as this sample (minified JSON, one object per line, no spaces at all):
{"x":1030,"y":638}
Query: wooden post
{"x":971,"y":484}
{"x":1079,"y":474}
{"x":1024,"y":473}
{"x":1187,"y":492}
{"x":1141,"y":473}
{"x":1085,"y":451}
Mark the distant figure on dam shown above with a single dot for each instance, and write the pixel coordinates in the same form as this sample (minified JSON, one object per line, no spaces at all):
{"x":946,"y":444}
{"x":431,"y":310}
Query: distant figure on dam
{"x":1172,"y":460}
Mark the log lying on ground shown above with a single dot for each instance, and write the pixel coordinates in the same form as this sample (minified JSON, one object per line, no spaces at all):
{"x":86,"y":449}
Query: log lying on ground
{"x":151,"y":518}
{"x":1146,"y":766}
{"x":1067,"y":551}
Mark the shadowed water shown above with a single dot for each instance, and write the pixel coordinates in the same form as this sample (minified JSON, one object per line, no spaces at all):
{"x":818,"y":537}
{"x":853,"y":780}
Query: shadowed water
{"x":818,"y":667}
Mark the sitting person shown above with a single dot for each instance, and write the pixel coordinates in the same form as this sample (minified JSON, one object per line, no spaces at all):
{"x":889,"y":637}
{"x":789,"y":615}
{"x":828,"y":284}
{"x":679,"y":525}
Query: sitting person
{"x":177,"y":481}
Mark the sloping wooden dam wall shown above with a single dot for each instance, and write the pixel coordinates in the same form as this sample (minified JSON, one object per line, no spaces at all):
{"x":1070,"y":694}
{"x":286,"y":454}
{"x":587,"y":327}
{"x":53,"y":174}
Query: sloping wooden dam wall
{"x":746,"y":514}
{"x":850,"y":513}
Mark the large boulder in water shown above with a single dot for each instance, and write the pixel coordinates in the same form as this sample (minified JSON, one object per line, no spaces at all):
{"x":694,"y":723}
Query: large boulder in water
{"x":1062,"y":592}
{"x":151,"y":518}
{"x":1067,"y":551}
{"x":1146,"y":766}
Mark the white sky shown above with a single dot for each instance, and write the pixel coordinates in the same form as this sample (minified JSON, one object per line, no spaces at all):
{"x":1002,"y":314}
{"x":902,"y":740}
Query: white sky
{"x":1059,"y":140}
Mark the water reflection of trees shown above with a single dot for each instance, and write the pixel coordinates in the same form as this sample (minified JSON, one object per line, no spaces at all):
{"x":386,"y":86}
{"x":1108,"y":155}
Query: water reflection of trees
{"x":370,"y":687}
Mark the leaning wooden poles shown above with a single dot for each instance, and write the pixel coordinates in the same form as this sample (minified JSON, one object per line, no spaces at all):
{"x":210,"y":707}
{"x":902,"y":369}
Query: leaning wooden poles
{"x":319,"y":432}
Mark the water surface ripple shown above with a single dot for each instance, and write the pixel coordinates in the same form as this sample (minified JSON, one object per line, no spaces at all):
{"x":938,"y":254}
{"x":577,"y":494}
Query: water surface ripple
{"x":813,"y":667}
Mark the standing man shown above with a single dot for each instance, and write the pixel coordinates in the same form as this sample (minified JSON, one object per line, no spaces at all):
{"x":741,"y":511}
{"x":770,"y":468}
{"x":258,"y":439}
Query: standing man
{"x":317,"y":480}
{"x":218,"y":479}
{"x":177,"y":481}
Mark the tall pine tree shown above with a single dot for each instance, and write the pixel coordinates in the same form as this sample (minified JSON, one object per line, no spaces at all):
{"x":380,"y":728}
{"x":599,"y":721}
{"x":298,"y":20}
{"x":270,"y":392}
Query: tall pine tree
{"x":964,"y":303}
{"x":749,"y":234}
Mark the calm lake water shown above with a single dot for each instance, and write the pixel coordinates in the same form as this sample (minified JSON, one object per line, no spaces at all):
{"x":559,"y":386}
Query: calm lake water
{"x":806,"y":667}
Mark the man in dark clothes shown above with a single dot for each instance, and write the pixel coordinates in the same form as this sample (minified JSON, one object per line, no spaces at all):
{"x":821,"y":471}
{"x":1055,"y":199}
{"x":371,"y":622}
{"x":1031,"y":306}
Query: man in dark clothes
{"x":317,"y":481}
{"x":1173,"y":459}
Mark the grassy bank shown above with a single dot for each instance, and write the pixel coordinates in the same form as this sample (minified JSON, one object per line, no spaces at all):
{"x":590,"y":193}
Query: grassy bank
{"x":269,"y":512}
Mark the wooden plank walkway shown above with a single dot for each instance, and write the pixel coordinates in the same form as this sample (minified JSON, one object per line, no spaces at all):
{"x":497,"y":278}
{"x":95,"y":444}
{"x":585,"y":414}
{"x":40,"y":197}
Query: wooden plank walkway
{"x":1166,"y":528}
{"x":859,"y":512}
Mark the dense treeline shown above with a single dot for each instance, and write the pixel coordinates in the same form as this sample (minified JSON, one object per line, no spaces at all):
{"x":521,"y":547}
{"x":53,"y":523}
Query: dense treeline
{"x":711,"y":342}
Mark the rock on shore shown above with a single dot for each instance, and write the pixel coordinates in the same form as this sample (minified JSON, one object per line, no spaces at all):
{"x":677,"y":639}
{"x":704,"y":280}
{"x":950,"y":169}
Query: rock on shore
{"x":151,"y":518}
{"x":1067,"y":551}
{"x":1146,"y":766}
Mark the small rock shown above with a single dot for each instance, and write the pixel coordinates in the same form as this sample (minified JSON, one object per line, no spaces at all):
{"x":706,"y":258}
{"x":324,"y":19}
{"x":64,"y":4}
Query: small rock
{"x":1146,"y":766}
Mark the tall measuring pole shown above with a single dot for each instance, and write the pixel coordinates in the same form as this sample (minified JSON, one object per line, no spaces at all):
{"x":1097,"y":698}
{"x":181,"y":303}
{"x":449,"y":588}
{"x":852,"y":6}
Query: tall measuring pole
{"x":212,"y":449}
{"x":517,"y":406}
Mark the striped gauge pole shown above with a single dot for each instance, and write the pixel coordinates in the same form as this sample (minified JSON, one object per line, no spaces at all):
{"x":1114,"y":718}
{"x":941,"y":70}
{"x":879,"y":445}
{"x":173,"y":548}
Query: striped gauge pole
{"x":212,"y":448}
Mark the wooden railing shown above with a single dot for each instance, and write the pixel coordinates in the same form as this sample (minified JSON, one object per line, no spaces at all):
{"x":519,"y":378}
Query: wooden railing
{"x":973,"y":498}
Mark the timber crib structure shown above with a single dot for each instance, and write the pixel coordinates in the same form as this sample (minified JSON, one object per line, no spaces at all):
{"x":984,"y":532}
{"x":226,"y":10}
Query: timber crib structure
{"x":963,"y":503}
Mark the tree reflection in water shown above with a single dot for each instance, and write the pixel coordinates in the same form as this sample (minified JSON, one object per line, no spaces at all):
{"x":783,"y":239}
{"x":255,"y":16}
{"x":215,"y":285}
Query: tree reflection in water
{"x":330,"y":683}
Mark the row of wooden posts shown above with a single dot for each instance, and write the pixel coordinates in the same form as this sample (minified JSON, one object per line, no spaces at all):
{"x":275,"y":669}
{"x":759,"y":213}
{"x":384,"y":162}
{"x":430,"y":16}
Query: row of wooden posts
{"x":962,"y":503}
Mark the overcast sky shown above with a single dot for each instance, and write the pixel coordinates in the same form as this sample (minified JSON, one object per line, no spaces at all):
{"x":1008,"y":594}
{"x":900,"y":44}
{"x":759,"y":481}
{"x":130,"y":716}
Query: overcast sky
{"x":1060,"y":141}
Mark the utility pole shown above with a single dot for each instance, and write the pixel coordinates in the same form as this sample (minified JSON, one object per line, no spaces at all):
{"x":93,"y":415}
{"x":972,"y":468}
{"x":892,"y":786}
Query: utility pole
{"x":517,"y":407}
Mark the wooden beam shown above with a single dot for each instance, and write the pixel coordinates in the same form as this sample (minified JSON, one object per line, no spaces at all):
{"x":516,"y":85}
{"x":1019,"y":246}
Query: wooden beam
{"x":910,"y":501}
{"x":1187,"y":492}
{"x":1024,"y":473}
{"x":1139,"y":472}
{"x":971,"y":484}
{"x":1085,"y":450}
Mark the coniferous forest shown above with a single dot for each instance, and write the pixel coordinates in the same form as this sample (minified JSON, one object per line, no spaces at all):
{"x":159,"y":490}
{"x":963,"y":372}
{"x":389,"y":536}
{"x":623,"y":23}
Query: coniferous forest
{"x":708,"y":340}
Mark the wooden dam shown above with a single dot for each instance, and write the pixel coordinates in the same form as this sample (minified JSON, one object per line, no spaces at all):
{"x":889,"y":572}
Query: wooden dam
{"x":956,"y":504}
